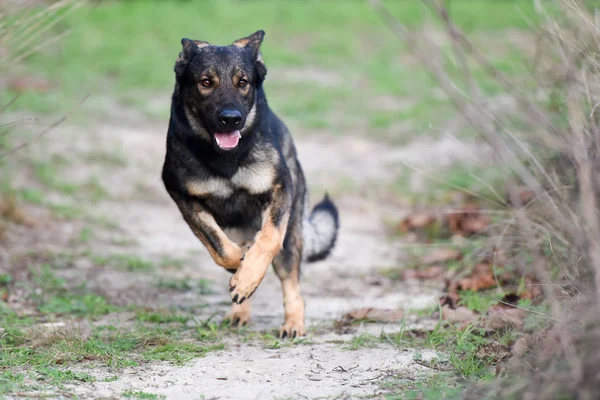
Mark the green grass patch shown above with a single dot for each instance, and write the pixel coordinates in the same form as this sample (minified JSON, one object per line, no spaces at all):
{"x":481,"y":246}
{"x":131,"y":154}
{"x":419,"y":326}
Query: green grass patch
{"x":479,"y":302}
{"x":130,"y":394}
{"x":180,"y":353}
{"x":200,"y":286}
{"x":56,"y":298}
{"x":130,"y":262}
{"x":364,"y":340}
{"x":441,"y":385}
{"x":460,"y":344}
{"x":162,"y":317}
{"x":11,"y":382}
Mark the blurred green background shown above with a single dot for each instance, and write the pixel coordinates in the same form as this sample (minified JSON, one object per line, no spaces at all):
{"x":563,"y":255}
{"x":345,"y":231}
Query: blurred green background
{"x":333,"y":64}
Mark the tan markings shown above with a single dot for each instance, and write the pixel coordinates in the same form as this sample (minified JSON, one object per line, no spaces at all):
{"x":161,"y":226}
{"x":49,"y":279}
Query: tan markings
{"x":209,"y":187}
{"x":250,"y":118}
{"x":201,"y":44}
{"x":241,"y":43}
{"x":267,"y":243}
{"x":214,"y":79}
{"x":293,"y":304}
{"x":256,"y":178}
{"x":255,"y":37}
{"x":239,"y":314}
{"x":232,"y":253}
{"x":239,"y":75}
{"x":196,"y":127}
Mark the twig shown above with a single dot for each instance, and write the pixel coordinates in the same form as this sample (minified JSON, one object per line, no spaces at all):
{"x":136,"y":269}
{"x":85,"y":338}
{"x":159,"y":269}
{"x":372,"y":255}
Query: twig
{"x":43,"y":132}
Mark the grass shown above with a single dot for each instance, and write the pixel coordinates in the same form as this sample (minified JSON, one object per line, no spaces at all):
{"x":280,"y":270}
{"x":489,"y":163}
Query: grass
{"x":55,"y":298}
{"x":461,"y":345}
{"x":180,"y":353}
{"x":130,"y":394}
{"x":438,"y":386}
{"x":130,"y":262}
{"x":200,"y":286}
{"x":364,"y":340}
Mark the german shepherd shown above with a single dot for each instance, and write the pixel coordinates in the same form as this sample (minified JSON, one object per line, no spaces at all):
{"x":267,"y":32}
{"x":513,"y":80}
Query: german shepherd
{"x":231,"y":168}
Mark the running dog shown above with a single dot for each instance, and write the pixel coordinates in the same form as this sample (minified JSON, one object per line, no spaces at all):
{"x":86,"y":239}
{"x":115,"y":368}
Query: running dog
{"x":232,"y":170}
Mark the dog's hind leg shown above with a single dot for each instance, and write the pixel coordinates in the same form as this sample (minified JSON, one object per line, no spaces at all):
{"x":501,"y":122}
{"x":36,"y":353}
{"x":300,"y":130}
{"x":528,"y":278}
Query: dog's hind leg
{"x":287,"y":267}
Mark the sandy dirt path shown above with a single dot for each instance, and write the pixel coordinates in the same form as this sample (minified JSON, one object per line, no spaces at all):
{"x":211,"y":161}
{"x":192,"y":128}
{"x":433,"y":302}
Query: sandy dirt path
{"x":144,"y":221}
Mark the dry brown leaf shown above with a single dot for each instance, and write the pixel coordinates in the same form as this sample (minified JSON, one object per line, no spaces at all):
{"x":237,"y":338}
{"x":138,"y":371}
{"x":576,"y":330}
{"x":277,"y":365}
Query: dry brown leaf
{"x":467,"y":220}
{"x":525,"y":194}
{"x":521,"y":346}
{"x":416,"y":221}
{"x":460,"y":314}
{"x":478,"y":224}
{"x":408,"y":274}
{"x":11,"y":211}
{"x":432,"y":272}
{"x":532,"y":290}
{"x":494,"y":352}
{"x":29,"y":84}
{"x":502,"y":316}
{"x":441,"y":255}
{"x":481,"y":278}
{"x":375,"y":314}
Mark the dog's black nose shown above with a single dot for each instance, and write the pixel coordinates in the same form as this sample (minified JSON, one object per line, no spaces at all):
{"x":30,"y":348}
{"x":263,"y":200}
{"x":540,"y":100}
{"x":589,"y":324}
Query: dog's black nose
{"x":230,"y":118}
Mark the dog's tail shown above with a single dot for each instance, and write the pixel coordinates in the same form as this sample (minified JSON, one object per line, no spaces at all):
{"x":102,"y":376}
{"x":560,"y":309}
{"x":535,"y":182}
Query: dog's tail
{"x":320,"y":230}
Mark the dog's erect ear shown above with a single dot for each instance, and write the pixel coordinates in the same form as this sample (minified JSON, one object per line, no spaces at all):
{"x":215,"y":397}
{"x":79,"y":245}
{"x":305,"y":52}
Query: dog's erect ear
{"x":189,"y":47}
{"x":253,"y":43}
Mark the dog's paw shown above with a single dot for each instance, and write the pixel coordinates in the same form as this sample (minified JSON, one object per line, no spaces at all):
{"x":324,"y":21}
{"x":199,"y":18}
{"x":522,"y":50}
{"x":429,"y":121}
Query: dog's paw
{"x":239,"y":315}
{"x":243,"y":284}
{"x":292,"y":329}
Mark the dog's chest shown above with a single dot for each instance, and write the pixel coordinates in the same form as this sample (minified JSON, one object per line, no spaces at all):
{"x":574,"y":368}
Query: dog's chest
{"x":255,"y":179}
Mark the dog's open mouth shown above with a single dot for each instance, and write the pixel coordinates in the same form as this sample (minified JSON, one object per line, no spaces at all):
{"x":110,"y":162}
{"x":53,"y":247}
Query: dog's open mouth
{"x":227,"y":140}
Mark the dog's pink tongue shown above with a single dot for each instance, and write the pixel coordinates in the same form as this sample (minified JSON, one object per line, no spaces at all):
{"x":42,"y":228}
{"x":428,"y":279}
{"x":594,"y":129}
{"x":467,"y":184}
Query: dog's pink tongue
{"x":228,"y":140}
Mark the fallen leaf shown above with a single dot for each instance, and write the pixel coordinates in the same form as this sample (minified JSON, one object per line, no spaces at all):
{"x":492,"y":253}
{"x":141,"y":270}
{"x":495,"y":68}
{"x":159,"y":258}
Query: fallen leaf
{"x":459,"y":314}
{"x":467,"y":220}
{"x":494,"y":352}
{"x":532,"y":290}
{"x":431,"y":272}
{"x":481,"y":278}
{"x":502,"y":316}
{"x":416,"y":221}
{"x":525,"y":194}
{"x":375,"y":314}
{"x":441,"y":255}
{"x":521,"y":346}
{"x":408,"y":274}
{"x":29,"y":84}
{"x":450,"y":299}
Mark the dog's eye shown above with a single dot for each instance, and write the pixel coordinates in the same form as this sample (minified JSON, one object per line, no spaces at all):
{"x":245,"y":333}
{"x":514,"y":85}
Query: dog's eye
{"x":242,"y":83}
{"x":206,"y":82}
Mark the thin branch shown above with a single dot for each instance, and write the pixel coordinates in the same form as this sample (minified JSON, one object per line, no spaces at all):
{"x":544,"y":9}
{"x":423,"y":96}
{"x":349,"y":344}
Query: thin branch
{"x":43,"y":132}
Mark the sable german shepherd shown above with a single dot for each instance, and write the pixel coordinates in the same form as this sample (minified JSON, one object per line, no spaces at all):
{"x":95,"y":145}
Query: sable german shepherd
{"x":232,"y":170}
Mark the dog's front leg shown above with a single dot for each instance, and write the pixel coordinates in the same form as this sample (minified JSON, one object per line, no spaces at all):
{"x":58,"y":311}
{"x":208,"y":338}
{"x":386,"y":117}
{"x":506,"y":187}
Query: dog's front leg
{"x":267,"y":244}
{"x":226,"y":253}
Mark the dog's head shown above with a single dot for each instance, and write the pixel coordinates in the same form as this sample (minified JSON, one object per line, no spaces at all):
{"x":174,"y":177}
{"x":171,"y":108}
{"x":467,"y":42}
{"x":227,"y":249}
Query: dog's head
{"x":218,"y":88}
